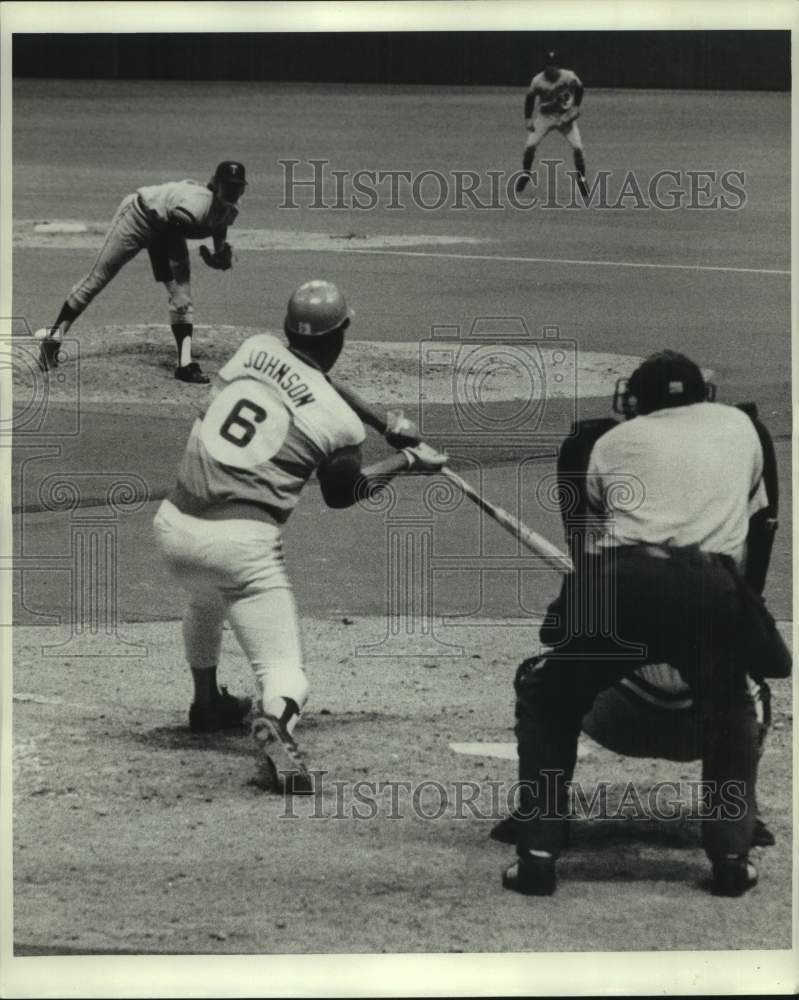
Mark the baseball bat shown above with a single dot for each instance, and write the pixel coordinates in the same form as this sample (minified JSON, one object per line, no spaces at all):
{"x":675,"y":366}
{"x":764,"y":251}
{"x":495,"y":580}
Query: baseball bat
{"x":530,"y":539}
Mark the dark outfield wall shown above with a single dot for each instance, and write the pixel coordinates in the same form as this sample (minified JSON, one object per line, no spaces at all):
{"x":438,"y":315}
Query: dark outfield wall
{"x":717,"y":60}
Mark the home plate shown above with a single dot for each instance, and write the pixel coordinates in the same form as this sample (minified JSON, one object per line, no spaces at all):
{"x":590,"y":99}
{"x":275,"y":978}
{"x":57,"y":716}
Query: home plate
{"x":505,"y":751}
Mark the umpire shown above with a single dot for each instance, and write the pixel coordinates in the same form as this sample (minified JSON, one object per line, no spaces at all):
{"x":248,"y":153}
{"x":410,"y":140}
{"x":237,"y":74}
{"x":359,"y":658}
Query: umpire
{"x":674,"y":487}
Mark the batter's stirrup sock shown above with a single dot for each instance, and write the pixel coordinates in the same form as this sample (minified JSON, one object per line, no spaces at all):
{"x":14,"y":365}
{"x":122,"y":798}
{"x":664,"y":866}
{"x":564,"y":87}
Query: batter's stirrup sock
{"x":182,"y":333}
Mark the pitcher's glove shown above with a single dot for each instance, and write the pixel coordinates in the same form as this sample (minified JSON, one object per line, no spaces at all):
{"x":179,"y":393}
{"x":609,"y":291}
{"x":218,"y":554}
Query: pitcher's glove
{"x":219,"y":260}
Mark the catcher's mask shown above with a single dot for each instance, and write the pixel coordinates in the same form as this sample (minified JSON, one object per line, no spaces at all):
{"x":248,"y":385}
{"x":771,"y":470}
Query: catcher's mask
{"x":229,"y":181}
{"x":316,"y":317}
{"x":663,"y":380}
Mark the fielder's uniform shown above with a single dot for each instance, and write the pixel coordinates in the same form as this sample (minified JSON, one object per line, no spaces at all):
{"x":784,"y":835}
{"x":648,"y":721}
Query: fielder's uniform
{"x":157,"y":218}
{"x":556,"y":107}
{"x":666,"y":568}
{"x":275,"y":419}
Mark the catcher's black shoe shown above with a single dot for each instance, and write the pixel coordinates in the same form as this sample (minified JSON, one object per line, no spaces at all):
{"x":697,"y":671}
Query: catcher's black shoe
{"x":733,"y":876}
{"x":48,"y":353}
{"x":531,"y":875}
{"x":521,"y":182}
{"x":279,"y":757}
{"x":225,"y":712}
{"x":191,"y":373}
{"x":761,"y":835}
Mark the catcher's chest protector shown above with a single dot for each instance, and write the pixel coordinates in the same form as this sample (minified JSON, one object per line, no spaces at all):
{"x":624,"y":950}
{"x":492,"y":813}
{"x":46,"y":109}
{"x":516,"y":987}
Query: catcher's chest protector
{"x":577,"y":516}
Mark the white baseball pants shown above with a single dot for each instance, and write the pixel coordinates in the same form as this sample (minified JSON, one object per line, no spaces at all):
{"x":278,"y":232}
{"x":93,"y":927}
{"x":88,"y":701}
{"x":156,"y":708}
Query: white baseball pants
{"x":234,"y":570}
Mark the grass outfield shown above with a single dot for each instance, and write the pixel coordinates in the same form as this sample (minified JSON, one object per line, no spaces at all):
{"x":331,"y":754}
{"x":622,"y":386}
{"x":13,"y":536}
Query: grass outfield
{"x":133,"y":836}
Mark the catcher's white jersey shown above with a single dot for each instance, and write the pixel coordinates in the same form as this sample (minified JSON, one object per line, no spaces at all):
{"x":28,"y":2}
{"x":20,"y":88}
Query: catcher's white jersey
{"x":555,"y":96}
{"x":265,"y":432}
{"x":702,"y":494}
{"x":189,"y":204}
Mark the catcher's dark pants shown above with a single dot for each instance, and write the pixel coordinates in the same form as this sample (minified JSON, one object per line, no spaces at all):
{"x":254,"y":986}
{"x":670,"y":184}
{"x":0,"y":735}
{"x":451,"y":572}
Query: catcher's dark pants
{"x":636,"y":605}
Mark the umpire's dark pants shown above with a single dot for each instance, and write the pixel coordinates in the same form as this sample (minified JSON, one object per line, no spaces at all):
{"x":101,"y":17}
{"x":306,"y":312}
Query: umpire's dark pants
{"x":636,"y":605}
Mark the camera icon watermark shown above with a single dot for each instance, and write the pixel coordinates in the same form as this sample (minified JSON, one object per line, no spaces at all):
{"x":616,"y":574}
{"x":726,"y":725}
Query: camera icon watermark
{"x":497,"y":383}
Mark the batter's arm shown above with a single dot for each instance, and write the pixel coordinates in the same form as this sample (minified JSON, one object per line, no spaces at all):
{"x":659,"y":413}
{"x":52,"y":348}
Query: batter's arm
{"x":399,"y":431}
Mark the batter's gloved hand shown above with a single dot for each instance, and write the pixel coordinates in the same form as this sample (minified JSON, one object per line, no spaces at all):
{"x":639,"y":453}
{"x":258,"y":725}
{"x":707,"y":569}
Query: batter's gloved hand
{"x":219,"y":260}
{"x":400,"y":431}
{"x":423,"y":458}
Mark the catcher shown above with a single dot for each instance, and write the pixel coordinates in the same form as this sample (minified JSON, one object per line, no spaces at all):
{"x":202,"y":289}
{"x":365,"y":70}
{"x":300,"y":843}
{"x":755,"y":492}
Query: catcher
{"x":674,"y":578}
{"x":559,"y":93}
{"x":160,"y":219}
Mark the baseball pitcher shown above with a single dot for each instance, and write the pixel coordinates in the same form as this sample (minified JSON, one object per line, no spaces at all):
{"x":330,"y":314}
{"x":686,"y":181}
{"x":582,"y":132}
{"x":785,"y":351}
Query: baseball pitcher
{"x":275,"y":420}
{"x":160,"y":219}
{"x":553,"y":102}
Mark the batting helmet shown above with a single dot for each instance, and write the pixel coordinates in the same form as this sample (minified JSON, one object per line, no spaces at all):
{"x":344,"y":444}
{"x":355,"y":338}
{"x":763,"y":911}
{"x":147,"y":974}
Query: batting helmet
{"x":316,"y":308}
{"x":663,"y":380}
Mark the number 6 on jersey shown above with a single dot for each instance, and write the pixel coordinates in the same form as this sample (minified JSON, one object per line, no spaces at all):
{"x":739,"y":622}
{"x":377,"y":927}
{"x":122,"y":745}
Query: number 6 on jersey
{"x":245,"y":425}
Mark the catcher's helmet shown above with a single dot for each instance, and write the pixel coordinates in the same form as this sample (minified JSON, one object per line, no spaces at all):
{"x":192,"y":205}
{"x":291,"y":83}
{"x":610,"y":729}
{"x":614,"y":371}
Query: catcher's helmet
{"x":663,"y":380}
{"x":316,"y":308}
{"x":231,"y":172}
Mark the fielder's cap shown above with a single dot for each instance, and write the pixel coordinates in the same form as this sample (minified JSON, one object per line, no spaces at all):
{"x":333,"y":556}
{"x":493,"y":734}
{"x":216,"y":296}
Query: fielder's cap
{"x":316,"y":308}
{"x":231,"y":172}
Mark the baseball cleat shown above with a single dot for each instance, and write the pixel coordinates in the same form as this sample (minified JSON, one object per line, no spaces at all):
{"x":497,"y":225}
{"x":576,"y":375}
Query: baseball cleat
{"x":49,"y":348}
{"x":522,"y":182}
{"x":191,"y":373}
{"x":279,"y":757}
{"x":532,"y":875}
{"x":225,"y":712}
{"x":733,"y":876}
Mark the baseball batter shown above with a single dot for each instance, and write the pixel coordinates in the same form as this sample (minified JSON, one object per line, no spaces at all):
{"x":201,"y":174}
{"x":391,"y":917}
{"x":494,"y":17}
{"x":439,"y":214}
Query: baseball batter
{"x":160,"y":218}
{"x":553,"y":102}
{"x":275,"y":420}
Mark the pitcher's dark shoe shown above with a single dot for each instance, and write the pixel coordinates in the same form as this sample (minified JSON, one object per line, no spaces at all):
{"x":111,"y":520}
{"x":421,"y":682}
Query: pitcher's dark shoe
{"x":225,"y":712}
{"x":191,"y":373}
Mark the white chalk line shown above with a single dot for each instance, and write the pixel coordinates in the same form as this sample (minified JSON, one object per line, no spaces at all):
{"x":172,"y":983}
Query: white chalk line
{"x":559,"y":260}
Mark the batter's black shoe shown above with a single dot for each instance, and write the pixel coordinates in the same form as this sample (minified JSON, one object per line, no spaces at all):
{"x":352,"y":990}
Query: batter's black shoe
{"x":733,"y":876}
{"x":48,"y":353}
{"x":761,"y":835}
{"x":191,"y":373}
{"x":279,"y":757}
{"x":225,"y":712}
{"x":532,"y":875}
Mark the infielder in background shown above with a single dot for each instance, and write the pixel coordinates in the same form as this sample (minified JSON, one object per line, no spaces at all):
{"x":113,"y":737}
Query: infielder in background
{"x":559,"y":93}
{"x":667,"y":582}
{"x":275,"y":421}
{"x":160,"y":219}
